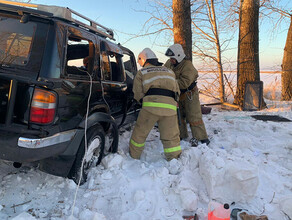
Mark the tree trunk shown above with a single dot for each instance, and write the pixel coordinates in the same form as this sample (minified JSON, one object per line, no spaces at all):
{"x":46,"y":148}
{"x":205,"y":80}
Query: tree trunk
{"x":218,"y":49}
{"x":287,"y":67}
{"x":248,"y":47}
{"x":182,"y":25}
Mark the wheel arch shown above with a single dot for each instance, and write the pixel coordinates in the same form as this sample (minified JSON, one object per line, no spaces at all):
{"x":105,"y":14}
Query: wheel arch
{"x":61,"y":165}
{"x":101,"y":118}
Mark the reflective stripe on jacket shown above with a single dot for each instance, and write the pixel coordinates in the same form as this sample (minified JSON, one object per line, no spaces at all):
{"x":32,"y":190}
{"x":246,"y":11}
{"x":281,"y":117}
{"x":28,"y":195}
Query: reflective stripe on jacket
{"x":156,"y":77}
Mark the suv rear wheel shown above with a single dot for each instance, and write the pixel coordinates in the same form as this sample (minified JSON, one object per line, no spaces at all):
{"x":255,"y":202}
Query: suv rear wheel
{"x":94,"y":154}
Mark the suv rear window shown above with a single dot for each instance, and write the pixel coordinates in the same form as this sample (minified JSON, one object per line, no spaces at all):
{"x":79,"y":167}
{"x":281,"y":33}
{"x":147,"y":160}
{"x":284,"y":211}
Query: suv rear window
{"x":16,"y":41}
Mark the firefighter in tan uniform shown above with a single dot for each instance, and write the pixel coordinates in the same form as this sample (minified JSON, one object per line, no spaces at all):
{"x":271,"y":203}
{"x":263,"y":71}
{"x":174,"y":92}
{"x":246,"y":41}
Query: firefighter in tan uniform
{"x":189,"y":103}
{"x":156,"y":88}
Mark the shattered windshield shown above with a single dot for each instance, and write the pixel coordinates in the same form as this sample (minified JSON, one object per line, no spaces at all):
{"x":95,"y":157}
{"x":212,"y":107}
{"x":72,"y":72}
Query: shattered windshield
{"x":16,"y":41}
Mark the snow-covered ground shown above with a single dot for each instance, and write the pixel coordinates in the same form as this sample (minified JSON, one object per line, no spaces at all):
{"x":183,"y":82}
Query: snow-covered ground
{"x":248,"y":162}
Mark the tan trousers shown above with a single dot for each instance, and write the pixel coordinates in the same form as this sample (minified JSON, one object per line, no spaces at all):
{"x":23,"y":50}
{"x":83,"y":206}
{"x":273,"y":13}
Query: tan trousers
{"x":190,"y":111}
{"x":169,"y":134}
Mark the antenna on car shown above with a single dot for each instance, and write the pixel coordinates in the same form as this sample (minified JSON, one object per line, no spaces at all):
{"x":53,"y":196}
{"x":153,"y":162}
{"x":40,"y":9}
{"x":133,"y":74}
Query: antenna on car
{"x":64,"y":13}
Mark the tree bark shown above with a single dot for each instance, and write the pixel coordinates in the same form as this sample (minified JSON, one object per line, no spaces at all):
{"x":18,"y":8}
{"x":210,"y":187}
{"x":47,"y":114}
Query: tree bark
{"x":287,"y":67}
{"x":182,"y":25}
{"x":248,"y":47}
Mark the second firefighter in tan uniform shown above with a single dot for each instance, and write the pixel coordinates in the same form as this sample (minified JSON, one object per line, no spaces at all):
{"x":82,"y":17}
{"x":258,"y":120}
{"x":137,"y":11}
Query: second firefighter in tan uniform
{"x":189,"y":103}
{"x":157,"y":87}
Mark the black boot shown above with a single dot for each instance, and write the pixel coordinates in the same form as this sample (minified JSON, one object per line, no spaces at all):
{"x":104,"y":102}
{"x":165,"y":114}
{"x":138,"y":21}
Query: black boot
{"x":205,"y":141}
{"x":194,"y":142}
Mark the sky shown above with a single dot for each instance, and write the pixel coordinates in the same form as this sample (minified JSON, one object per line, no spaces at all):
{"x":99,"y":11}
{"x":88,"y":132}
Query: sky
{"x":124,"y":18}
{"x":248,"y":162}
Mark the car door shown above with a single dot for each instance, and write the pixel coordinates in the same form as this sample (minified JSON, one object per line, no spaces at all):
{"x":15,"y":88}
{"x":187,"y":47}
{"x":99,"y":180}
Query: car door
{"x":113,"y":78}
{"x":78,"y":76}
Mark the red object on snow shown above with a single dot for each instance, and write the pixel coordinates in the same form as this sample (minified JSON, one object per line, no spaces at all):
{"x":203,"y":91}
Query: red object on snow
{"x":217,"y":211}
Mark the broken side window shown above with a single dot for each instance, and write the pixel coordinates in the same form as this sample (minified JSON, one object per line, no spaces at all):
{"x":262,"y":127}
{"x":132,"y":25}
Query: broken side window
{"x":111,"y":63}
{"x":80,"y":57}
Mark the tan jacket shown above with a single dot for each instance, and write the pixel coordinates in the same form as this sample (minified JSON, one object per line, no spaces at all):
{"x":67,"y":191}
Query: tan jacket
{"x":185,"y":73}
{"x":156,"y":77}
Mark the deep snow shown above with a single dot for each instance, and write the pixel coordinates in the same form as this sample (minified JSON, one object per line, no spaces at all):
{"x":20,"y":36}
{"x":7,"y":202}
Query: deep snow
{"x":248,"y":162}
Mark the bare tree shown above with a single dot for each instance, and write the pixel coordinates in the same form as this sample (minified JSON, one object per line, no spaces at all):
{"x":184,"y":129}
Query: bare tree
{"x":283,"y":12}
{"x":248,"y":47}
{"x":182,"y":31}
{"x":206,"y":28}
{"x":287,"y":67}
{"x":159,"y":23}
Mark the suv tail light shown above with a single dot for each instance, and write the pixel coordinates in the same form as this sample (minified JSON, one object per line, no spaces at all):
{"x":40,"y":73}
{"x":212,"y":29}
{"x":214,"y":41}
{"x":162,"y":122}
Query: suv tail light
{"x":43,"y":107}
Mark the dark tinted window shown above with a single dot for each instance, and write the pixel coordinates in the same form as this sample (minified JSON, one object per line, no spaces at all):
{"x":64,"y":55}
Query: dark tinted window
{"x":16,"y":41}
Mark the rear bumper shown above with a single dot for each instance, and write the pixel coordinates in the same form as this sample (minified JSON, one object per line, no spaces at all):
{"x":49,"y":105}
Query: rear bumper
{"x":20,"y":149}
{"x":37,"y":143}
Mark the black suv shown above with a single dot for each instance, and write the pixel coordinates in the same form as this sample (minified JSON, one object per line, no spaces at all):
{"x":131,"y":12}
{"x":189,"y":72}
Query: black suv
{"x":65,"y":87}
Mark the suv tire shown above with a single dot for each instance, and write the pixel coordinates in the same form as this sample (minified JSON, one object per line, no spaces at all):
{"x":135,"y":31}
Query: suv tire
{"x":95,"y":152}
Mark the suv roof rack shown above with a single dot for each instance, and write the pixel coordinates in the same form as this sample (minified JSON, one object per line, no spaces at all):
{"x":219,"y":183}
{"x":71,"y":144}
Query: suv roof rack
{"x":66,"y":14}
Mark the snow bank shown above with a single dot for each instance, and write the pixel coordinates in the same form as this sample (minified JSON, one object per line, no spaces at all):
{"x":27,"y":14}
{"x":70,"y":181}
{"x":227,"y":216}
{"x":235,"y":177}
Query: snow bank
{"x":24,"y":216}
{"x":227,"y":180}
{"x":286,"y":205}
{"x":247,"y":162}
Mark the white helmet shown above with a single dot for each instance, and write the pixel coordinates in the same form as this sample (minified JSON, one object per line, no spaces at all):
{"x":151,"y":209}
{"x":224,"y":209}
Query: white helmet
{"x":146,"y":54}
{"x":176,"y":51}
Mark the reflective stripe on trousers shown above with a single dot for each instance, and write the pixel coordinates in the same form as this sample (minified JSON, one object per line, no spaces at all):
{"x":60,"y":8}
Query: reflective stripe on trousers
{"x":166,"y":150}
{"x":136,"y":144}
{"x":172,"y":149}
